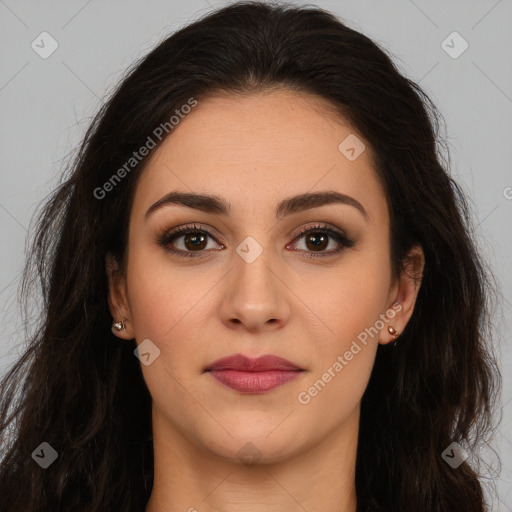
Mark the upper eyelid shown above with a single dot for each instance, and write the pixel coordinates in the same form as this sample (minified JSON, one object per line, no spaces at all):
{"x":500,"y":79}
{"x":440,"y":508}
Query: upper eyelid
{"x":180,"y":231}
{"x":183,"y":230}
{"x":319,"y":225}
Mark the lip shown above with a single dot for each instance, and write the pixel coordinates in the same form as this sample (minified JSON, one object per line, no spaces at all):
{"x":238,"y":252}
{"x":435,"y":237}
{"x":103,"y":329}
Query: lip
{"x":253,"y":375}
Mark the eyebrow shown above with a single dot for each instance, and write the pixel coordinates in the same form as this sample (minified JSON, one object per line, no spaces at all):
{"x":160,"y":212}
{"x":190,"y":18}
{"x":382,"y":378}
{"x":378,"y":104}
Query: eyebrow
{"x":216,"y":205}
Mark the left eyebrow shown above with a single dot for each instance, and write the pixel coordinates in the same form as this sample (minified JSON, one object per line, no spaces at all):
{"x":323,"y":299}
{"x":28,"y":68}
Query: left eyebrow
{"x":216,"y":205}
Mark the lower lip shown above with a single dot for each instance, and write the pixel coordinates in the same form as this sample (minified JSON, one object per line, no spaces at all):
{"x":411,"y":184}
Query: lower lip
{"x":254,"y":382}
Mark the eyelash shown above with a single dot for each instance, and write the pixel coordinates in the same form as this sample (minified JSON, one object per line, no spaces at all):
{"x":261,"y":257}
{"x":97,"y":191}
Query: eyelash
{"x":345,"y":242}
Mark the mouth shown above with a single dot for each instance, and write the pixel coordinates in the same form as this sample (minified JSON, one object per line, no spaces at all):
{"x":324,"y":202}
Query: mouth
{"x":253,"y":375}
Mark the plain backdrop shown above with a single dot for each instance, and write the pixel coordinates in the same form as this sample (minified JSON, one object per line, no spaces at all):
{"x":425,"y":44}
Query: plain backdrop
{"x":46,"y":105}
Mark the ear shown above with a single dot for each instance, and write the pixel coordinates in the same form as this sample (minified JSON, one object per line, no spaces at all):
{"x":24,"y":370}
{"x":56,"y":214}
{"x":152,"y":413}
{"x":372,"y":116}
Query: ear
{"x":117,"y":297}
{"x":404,"y":292}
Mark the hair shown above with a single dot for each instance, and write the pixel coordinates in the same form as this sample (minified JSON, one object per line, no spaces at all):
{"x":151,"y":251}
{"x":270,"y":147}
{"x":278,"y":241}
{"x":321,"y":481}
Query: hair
{"x":82,"y":391}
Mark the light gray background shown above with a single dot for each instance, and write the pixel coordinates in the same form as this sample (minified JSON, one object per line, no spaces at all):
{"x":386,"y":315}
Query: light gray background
{"x":46,"y":105}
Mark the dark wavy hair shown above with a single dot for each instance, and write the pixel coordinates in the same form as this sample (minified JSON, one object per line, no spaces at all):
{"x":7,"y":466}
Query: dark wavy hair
{"x":79,"y":389}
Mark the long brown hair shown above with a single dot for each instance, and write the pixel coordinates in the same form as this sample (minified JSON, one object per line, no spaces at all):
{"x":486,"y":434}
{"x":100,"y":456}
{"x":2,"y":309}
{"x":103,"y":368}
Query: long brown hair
{"x":82,"y":392}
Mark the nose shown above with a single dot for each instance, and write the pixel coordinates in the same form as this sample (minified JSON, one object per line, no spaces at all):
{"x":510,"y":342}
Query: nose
{"x":255,"y":297}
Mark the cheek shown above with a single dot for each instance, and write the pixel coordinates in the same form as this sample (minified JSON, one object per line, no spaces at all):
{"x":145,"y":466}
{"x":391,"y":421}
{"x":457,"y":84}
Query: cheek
{"x":349,"y":299}
{"x":346,"y":354}
{"x":159,"y":295}
{"x":346,"y":342}
{"x":168,"y":305}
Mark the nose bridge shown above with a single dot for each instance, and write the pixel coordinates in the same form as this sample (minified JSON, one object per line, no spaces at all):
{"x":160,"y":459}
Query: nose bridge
{"x":255,"y":295}
{"x":253,"y":278}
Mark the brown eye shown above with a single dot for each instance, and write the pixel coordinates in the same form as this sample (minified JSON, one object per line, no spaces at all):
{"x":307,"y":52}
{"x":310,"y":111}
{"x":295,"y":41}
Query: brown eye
{"x":191,"y":241}
{"x":187,"y":241}
{"x":194,"y":241}
{"x":317,"y":241}
{"x":318,"y":238}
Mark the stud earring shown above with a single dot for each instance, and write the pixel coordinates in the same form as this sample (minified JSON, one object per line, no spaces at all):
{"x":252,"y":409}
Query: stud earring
{"x":393,"y":332}
{"x":118,"y":326}
{"x":395,"y":335}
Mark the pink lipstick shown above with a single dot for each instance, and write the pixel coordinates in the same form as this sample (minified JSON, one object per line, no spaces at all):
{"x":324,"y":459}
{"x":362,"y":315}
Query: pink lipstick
{"x":253,"y":375}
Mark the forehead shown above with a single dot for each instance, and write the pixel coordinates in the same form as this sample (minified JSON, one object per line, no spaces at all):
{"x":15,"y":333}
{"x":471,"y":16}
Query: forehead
{"x":254,"y":149}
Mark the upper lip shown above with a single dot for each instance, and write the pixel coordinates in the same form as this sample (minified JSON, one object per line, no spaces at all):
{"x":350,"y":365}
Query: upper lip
{"x":267,"y":362}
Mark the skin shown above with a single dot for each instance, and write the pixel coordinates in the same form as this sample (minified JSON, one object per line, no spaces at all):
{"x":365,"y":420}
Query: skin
{"x":254,"y":151}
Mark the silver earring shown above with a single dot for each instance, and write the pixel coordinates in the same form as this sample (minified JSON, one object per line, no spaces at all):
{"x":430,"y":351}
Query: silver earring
{"x":118,"y":326}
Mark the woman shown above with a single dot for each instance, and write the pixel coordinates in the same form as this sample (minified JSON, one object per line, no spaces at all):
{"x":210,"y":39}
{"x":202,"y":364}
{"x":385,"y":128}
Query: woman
{"x":260,"y":290}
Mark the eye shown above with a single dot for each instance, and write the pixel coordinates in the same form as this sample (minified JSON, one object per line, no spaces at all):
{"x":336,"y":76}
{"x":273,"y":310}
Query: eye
{"x":191,"y":241}
{"x":194,"y":240}
{"x":317,"y":239}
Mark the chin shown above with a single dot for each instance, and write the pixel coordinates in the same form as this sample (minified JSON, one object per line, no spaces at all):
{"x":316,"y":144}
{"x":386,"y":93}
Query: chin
{"x":253,"y":447}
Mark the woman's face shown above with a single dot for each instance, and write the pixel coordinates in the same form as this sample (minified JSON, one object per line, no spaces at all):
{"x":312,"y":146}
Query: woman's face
{"x":245,"y":280}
